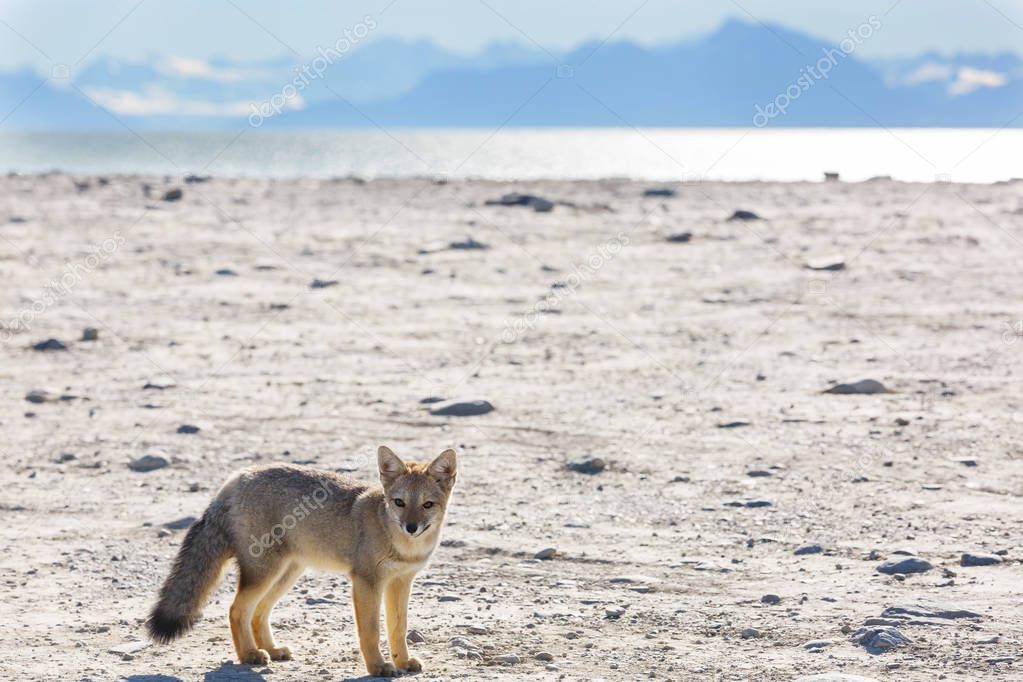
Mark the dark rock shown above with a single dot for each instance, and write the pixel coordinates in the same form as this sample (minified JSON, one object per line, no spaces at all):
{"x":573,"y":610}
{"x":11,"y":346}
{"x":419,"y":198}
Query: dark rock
{"x":173,"y":194}
{"x":757,"y":504}
{"x":49,"y":345}
{"x":90,"y":334}
{"x":744,"y":215}
{"x":431,"y":400}
{"x":770,"y":599}
{"x":862,"y":387}
{"x":226,"y":272}
{"x":759,"y":473}
{"x":880,"y":639}
{"x":188,"y":428}
{"x":322,"y":283}
{"x":908,"y":565}
{"x":538,"y":204}
{"x":732,"y":425}
{"x":587,"y":465}
{"x":470,"y":408}
{"x":39,"y":396}
{"x":922,"y":611}
{"x":196,"y":179}
{"x":679,"y":237}
{"x":147,"y":463}
{"x":808,"y":549}
{"x":979,"y":559}
{"x":659,"y":192}
{"x":468,"y":244}
{"x":831,"y":263}
{"x":546,"y":554}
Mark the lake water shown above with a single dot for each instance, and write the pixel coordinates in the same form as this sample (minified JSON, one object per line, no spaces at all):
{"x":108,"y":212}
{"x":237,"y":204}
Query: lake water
{"x":961,"y":155}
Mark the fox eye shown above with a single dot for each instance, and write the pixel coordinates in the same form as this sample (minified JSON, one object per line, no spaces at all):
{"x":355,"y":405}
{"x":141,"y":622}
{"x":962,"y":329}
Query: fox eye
{"x":398,"y":502}
{"x":427,"y":505}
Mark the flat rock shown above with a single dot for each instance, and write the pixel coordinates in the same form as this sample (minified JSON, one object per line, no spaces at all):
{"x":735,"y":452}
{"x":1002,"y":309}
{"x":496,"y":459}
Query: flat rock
{"x":430,"y":400}
{"x":808,"y":549}
{"x":862,"y":387}
{"x":468,"y":244}
{"x":828,"y":263}
{"x":979,"y":559}
{"x":927,"y":611}
{"x":469,"y":408}
{"x":733,"y":424}
{"x":322,"y":283}
{"x":587,"y":465}
{"x":770,"y":599}
{"x":817,"y":644}
{"x":744,"y":215}
{"x":39,"y":396}
{"x":147,"y":463}
{"x":908,"y":565}
{"x":659,"y":192}
{"x":546,"y":554}
{"x":188,"y":428}
{"x":538,"y":204}
{"x":679,"y":237}
{"x":505,"y":659}
{"x":226,"y":272}
{"x":173,"y":194}
{"x":881,"y":639}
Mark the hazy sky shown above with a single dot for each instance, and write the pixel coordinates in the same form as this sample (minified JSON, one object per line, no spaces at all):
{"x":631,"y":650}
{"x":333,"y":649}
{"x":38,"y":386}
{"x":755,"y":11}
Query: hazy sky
{"x":67,"y":31}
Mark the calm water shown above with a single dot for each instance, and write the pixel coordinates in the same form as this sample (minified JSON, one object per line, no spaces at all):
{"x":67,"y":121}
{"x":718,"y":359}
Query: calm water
{"x":962,"y":155}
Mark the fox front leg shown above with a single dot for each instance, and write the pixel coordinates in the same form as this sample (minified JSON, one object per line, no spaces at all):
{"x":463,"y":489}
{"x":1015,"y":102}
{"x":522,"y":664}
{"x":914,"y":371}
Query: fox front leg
{"x":396,"y":600}
{"x":366,"y":596}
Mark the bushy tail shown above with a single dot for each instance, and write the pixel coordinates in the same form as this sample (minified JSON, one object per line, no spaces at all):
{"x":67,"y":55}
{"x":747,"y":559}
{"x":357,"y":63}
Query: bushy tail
{"x":195,"y":573}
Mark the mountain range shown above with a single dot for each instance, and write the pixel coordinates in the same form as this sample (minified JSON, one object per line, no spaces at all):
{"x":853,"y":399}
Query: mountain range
{"x":739,"y":75}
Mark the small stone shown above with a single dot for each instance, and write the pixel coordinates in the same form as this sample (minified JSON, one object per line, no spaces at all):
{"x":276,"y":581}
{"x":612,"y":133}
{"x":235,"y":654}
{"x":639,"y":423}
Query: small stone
{"x":538,"y":204}
{"x":757,"y":504}
{"x":188,"y":428}
{"x":904,"y":566}
{"x":414,"y":637}
{"x":468,"y":244}
{"x":127,"y":650}
{"x":587,"y":465}
{"x":469,"y":408}
{"x":546,"y":554}
{"x":173,"y":194}
{"x":226,"y":272}
{"x":39,"y":396}
{"x":659,"y":192}
{"x":817,"y":644}
{"x":679,"y":237}
{"x":901,"y":422}
{"x":429,"y":400}
{"x":448,"y":598}
{"x":979,"y":559}
{"x":90,"y":334}
{"x":733,"y":424}
{"x":478,"y":630}
{"x":322,"y":283}
{"x":808,"y":549}
{"x":147,"y":463}
{"x":543,"y":656}
{"x":505,"y":659}
{"x":770,"y":599}
{"x":614,"y":611}
{"x":65,"y":457}
{"x":829,"y":263}
{"x":750,"y":633}
{"x":49,"y":345}
{"x":966,"y":461}
{"x":759,"y":473}
{"x":880,"y":639}
{"x":862,"y":387}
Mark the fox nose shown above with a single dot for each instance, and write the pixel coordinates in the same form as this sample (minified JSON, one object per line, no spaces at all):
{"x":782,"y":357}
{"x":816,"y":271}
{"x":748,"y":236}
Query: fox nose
{"x":411,"y":528}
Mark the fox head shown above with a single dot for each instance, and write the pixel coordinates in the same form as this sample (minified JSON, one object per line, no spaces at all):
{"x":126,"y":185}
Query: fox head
{"x":416,"y":495}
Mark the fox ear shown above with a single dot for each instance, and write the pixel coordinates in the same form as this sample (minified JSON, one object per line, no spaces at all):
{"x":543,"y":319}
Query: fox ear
{"x":444,"y":467}
{"x":391,"y":467}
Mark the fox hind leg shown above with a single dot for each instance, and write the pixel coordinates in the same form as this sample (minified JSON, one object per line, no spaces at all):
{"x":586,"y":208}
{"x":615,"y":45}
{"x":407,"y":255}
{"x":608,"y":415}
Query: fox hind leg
{"x":252,"y":585}
{"x":261,"y":617}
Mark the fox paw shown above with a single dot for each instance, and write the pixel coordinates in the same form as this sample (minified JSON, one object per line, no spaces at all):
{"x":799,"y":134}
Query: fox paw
{"x":255,"y":657}
{"x":280,"y":653}
{"x":411,"y":665}
{"x":382,"y":670}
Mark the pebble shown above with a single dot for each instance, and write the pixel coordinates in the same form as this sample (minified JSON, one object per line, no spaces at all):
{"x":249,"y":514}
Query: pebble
{"x":429,"y":400}
{"x":546,"y":554}
{"x":39,"y":396}
{"x":862,"y":387}
{"x":478,"y":630}
{"x":756,"y":504}
{"x":543,"y":656}
{"x":759,"y":473}
{"x":173,"y":194}
{"x":188,"y":428}
{"x":733,"y":425}
{"x":979,"y":559}
{"x":49,"y":345}
{"x":538,"y":204}
{"x":468,"y":244}
{"x":469,"y":408}
{"x":829,"y":263}
{"x":659,"y":192}
{"x":614,"y":611}
{"x":679,"y":237}
{"x":90,"y":334}
{"x":147,"y":463}
{"x":817,"y":644}
{"x":750,"y":633}
{"x":587,"y":465}
{"x":506,"y":659}
{"x":921,"y":611}
{"x":770,"y":599}
{"x":808,"y":549}
{"x":322,"y":283}
{"x":226,"y":272}
{"x":449,"y":597}
{"x":414,"y":637}
{"x":908,"y":565}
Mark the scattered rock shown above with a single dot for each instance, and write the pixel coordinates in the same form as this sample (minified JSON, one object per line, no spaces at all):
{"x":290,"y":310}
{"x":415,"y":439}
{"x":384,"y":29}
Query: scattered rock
{"x":90,"y":334}
{"x":679,"y":237}
{"x":180,"y":524}
{"x":979,"y":559}
{"x":468,"y":244}
{"x":226,"y":272}
{"x":614,"y":611}
{"x":414,"y":637}
{"x":744,"y":215}
{"x":188,"y":428}
{"x":750,"y":633}
{"x":922,"y":611}
{"x":505,"y":659}
{"x":543,"y":656}
{"x":756,"y":504}
{"x":430,"y":400}
{"x":759,"y":473}
{"x":830,"y":176}
{"x":770,"y":599}
{"x":538,"y":204}
{"x":659,"y":192}
{"x":899,"y":421}
{"x":448,"y":598}
{"x":478,"y":630}
{"x":322,"y":283}
{"x":127,"y":650}
{"x":49,"y":345}
{"x":817,"y":644}
{"x":904,"y":566}
{"x":546,"y":554}
{"x":159,"y":385}
{"x":39,"y":396}
{"x":828,"y":263}
{"x":808,"y":549}
{"x":196,"y":179}
{"x":878,"y":640}
{"x":732,"y":425}
{"x":470,"y":408}
{"x":66,"y":457}
{"x":862,"y":387}
{"x":147,"y":463}
{"x":966,"y":461}
{"x":173,"y":194}
{"x":587,"y":465}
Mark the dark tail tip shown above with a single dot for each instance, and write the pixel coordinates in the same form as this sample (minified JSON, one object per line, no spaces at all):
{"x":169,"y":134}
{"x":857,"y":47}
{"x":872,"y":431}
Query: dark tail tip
{"x":164,"y":627}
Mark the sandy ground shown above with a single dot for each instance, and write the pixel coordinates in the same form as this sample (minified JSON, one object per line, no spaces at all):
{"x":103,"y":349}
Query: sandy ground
{"x":592,"y":336}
